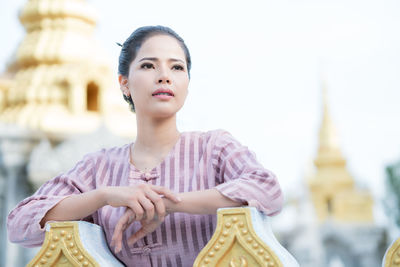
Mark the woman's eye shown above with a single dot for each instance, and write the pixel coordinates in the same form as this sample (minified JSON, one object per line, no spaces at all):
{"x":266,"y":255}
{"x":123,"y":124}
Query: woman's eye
{"x":146,"y":66}
{"x":178,"y":67}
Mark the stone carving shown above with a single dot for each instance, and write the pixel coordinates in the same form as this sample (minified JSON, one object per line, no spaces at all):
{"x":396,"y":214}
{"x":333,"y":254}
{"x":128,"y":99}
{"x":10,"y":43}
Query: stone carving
{"x":62,"y":247}
{"x":243,"y":239}
{"x":74,"y":244}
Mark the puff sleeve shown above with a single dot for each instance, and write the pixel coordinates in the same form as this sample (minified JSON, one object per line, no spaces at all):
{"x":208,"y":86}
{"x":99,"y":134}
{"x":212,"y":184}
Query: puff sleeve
{"x":242,"y":178}
{"x":23,"y":222}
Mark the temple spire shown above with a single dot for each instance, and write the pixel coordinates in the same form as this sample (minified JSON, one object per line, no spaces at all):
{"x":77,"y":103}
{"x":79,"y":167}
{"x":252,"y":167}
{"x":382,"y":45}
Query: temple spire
{"x":328,"y":150}
{"x":332,"y":188}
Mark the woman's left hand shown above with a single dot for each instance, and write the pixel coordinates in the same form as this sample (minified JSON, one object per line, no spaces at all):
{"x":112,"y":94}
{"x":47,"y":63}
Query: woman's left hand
{"x":125,"y":221}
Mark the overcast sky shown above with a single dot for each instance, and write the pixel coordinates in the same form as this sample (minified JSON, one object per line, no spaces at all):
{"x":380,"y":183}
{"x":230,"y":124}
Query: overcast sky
{"x":257,"y":71}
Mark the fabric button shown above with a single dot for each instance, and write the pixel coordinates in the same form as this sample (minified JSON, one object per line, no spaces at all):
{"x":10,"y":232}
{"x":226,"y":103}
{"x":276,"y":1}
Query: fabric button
{"x":147,"y":176}
{"x":146,"y":251}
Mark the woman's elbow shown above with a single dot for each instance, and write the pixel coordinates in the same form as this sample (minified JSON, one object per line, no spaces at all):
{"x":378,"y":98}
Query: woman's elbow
{"x":24,"y":239}
{"x":276,"y":204}
{"x":22,"y":234}
{"x":269,"y":205}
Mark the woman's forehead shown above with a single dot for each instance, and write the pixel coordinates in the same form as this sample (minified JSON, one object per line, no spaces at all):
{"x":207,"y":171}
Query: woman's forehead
{"x":161,"y":46}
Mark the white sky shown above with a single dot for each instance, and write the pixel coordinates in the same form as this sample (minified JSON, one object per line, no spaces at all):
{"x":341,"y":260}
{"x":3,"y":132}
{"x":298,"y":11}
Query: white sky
{"x":257,"y":70}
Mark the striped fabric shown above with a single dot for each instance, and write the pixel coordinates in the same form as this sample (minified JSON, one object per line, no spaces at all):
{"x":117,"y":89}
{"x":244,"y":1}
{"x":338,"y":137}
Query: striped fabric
{"x":198,"y":161}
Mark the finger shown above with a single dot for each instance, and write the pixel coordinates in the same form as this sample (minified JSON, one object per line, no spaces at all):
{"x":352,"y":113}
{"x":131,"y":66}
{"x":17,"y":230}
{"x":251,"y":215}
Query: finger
{"x":130,"y":216}
{"x":166,"y":192}
{"x":158,"y":204}
{"x":148,"y":207}
{"x":121,"y":226}
{"x":137,"y":208}
{"x":117,"y":230}
{"x":117,"y":237}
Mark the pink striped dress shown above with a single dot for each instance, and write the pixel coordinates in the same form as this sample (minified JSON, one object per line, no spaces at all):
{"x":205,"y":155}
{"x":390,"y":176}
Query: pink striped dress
{"x":198,"y":161}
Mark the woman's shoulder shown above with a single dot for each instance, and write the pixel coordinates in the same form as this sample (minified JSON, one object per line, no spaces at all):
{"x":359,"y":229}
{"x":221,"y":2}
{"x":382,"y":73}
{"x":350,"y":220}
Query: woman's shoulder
{"x":110,"y":153}
{"x":211,"y":136}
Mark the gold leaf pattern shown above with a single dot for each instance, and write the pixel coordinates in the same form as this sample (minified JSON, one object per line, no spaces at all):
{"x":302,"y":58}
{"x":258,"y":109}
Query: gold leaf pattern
{"x":236,"y":244}
{"x":62,"y":247}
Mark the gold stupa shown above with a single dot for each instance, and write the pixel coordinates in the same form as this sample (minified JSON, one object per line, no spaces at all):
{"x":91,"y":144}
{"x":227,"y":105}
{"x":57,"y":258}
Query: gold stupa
{"x":60,"y":81}
{"x":333,"y":191}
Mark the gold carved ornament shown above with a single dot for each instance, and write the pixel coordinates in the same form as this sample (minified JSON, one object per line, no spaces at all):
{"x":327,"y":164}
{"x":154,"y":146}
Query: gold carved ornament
{"x":63,"y":247}
{"x":236,"y":244}
{"x":392,"y":258}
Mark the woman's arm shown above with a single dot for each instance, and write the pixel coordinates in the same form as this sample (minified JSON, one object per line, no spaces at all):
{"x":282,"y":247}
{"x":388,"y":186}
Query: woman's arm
{"x":24,"y":221}
{"x":201,"y":202}
{"x":76,"y":207}
{"x":143,"y":199}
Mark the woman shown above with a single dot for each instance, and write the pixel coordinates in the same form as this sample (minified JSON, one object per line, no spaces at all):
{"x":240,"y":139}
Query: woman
{"x":156,"y":198}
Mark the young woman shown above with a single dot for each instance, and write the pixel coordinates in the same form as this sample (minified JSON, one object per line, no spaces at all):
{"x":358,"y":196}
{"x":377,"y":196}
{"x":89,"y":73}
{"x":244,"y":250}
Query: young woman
{"x":155,"y":198}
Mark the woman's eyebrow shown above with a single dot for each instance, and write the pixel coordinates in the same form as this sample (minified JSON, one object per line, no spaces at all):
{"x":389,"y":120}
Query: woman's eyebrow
{"x":175,"y":59}
{"x":149,"y":58}
{"x":156,"y":59}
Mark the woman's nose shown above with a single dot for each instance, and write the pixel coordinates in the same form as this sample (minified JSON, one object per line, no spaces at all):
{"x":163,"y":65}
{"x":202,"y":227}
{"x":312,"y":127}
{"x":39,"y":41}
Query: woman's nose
{"x":164,"y":76}
{"x":164,"y":80}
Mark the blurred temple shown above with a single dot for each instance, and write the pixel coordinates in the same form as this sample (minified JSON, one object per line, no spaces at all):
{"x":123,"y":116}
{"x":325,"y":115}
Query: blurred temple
{"x":58,"y":101}
{"x":60,"y":81}
{"x":334,"y":219}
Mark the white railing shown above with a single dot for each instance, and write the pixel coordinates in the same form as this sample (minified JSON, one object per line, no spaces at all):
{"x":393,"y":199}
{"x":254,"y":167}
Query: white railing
{"x":243,"y":237}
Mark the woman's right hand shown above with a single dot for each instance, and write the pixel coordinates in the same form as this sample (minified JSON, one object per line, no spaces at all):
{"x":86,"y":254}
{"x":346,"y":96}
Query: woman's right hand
{"x":144,"y":200}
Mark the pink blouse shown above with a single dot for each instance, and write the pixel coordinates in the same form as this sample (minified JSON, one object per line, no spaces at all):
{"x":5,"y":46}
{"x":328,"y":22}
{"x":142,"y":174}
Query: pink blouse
{"x":198,"y":161}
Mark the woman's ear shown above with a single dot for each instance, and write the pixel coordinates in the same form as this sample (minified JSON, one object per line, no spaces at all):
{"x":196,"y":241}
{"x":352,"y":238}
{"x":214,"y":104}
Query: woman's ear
{"x":123,"y":84}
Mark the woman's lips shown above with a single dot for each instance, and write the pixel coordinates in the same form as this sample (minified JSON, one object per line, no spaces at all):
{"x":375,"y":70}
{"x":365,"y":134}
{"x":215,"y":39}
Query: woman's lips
{"x":163,"y":97}
{"x":163,"y":94}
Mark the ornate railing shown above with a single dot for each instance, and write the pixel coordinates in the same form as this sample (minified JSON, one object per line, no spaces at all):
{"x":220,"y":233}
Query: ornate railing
{"x":243,"y":237}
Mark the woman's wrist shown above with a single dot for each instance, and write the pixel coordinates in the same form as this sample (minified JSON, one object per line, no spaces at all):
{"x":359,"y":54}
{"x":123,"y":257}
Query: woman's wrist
{"x":170,"y":206}
{"x":102,"y":195}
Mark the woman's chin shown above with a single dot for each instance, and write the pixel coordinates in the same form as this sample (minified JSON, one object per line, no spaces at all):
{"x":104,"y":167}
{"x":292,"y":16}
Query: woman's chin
{"x":158,"y":111}
{"x":163,"y":113}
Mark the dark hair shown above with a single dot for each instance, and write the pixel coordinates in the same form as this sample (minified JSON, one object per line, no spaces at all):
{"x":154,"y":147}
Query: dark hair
{"x":132,"y":45}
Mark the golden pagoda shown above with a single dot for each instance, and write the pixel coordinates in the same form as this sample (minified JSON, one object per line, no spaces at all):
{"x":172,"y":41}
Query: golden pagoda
{"x":332,"y":188}
{"x":60,"y":81}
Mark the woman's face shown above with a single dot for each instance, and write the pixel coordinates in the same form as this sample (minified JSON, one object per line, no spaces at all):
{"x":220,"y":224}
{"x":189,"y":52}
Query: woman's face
{"x":158,"y":78}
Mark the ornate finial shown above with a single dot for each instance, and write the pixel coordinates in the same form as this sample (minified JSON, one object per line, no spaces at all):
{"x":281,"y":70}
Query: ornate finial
{"x":324,"y":96}
{"x":328,"y":139}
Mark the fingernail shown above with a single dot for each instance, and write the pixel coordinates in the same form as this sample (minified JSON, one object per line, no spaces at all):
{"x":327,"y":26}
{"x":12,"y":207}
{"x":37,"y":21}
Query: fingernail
{"x":179,"y":199}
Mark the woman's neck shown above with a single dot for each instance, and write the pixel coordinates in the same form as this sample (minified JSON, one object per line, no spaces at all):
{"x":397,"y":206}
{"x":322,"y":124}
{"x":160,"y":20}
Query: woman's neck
{"x":156,"y":135}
